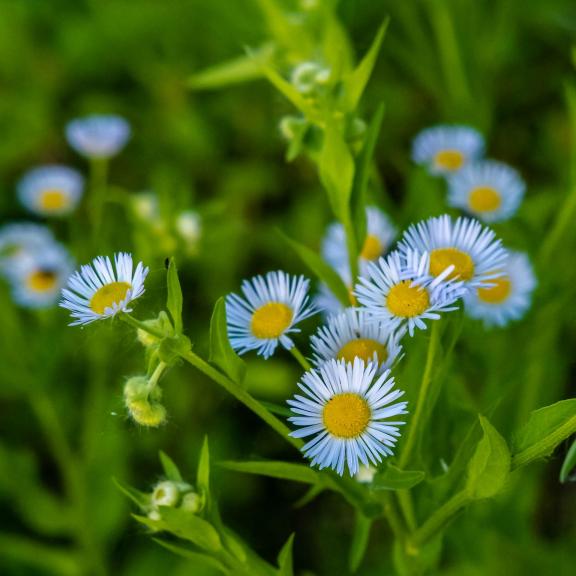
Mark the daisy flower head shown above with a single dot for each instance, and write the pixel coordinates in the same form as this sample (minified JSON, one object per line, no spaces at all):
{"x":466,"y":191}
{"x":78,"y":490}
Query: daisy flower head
{"x":98,"y":136}
{"x":472,"y":249}
{"x":37,"y":281}
{"x":267,"y":312}
{"x":508,"y":297}
{"x":51,"y":190}
{"x":489,"y":190}
{"x":446,"y":149}
{"x":351,"y":335}
{"x":398,"y":291}
{"x":346,"y":407}
{"x":380,"y":233}
{"x":103,"y":288}
{"x":20,"y":240}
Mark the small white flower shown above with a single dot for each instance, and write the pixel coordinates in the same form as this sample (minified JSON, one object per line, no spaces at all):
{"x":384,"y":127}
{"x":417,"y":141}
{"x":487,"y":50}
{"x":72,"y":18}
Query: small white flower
{"x":489,"y":190}
{"x":188,"y":225}
{"x":269,"y":310}
{"x":380,"y":234}
{"x":365,"y":474}
{"x":509,"y":296}
{"x":472,"y":249}
{"x":37,"y":280}
{"x":21,"y":240}
{"x":398,"y":291}
{"x":346,"y":408}
{"x":101,"y":290}
{"x":351,"y":335}
{"x":98,"y":136}
{"x":145,"y":206}
{"x":308,"y":76}
{"x":446,"y":149}
{"x":51,"y":190}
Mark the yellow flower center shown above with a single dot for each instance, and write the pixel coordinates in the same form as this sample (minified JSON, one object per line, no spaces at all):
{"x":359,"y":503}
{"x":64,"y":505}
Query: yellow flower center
{"x":484,"y":199}
{"x":270,"y":320}
{"x":498,"y":293}
{"x":406,"y":300}
{"x":449,"y":160}
{"x":109,"y":295}
{"x":372,"y":248}
{"x":346,"y":415}
{"x":42,"y":280}
{"x":52,"y":200}
{"x":441,"y":258}
{"x":363,"y":348}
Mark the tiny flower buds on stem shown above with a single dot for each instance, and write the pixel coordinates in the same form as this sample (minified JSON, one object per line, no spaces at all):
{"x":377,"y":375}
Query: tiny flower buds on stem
{"x":142,"y":398}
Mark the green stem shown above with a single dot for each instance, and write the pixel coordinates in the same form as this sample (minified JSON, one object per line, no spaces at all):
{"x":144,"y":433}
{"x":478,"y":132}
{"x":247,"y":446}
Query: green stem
{"x":407,"y":506}
{"x":352,"y":247}
{"x":99,"y":192}
{"x":139,"y":325}
{"x":301,"y":359}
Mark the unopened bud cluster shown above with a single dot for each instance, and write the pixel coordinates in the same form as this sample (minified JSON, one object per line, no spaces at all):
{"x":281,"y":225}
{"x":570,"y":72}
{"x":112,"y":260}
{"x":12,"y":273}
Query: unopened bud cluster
{"x":174,"y":495}
{"x":142,"y":399}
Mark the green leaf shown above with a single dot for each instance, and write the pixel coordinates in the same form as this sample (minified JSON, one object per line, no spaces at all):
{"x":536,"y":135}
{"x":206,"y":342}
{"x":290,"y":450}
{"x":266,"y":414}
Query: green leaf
{"x":174,"y":303}
{"x":141,"y":499}
{"x":170,"y":469}
{"x":489,"y":467}
{"x":203,"y":474}
{"x":184,"y":525}
{"x":221,"y":352}
{"x":356,"y":82}
{"x":392,"y":478}
{"x":569,"y":463}
{"x":321,"y":269}
{"x":285,"y":558}
{"x":336,"y":166}
{"x":360,"y":540}
{"x":275,"y":469}
{"x":277,"y":409}
{"x":172,"y":348}
{"x":192,"y":555}
{"x":362,"y":176}
{"x":545,"y":429}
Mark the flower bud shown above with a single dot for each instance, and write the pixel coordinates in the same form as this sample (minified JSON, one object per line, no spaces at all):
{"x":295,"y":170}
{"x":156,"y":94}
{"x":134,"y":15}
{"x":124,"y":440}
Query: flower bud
{"x":365,"y":474}
{"x":192,"y":502}
{"x":292,"y":127}
{"x":166,"y":493}
{"x":308,"y":76}
{"x":141,"y":397}
{"x":146,"y":413}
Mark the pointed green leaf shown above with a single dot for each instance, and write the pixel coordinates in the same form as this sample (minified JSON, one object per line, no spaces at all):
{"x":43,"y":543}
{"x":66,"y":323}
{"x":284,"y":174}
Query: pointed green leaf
{"x":545,"y":429}
{"x":285,"y":558}
{"x":174,"y":303}
{"x":320,"y":269}
{"x":569,"y":464}
{"x":356,"y":82}
{"x":362,"y":176}
{"x":336,"y":166}
{"x":192,"y":555}
{"x":274,"y":469}
{"x":139,"y":498}
{"x":277,"y":409}
{"x":359,"y":541}
{"x":170,"y":469}
{"x":489,"y":467}
{"x":203,"y":474}
{"x":392,"y":478}
{"x":221,"y":352}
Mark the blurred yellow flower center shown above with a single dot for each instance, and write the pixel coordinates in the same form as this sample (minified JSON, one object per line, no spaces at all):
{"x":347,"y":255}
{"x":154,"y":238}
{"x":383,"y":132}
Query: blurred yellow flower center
{"x":497,"y":293}
{"x":53,"y":200}
{"x":449,"y":159}
{"x":351,"y":297}
{"x":484,"y":199}
{"x":372,"y":248}
{"x":346,"y":415}
{"x":270,"y":320}
{"x":42,"y":280}
{"x":109,"y":295}
{"x":441,"y":258}
{"x":406,"y":300}
{"x":363,"y":348}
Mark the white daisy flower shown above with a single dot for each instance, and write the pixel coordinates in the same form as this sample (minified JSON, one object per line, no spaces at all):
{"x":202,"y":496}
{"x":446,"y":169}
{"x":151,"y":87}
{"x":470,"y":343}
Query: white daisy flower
{"x":269,"y":310}
{"x":101,"y":290}
{"x":380,"y":233}
{"x":346,"y":407}
{"x":20,"y":240}
{"x":351,"y":335}
{"x":51,"y":190}
{"x":398,"y":291}
{"x":472,"y":249}
{"x":509,"y":296}
{"x":98,"y":136}
{"x":38,"y":280}
{"x":489,"y":190}
{"x":446,"y":149}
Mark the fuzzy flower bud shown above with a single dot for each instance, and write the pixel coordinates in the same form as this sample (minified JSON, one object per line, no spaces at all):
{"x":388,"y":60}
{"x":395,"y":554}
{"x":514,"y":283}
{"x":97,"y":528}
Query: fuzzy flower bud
{"x":142,"y":399}
{"x":165,"y":493}
{"x":192,"y":502}
{"x":308,"y":76}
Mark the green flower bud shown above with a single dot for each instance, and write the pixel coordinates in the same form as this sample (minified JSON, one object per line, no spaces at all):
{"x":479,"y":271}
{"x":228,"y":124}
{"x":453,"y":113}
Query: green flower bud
{"x":292,"y":126}
{"x":192,"y":502}
{"x":146,"y":413}
{"x":308,"y":76}
{"x":166,"y":493}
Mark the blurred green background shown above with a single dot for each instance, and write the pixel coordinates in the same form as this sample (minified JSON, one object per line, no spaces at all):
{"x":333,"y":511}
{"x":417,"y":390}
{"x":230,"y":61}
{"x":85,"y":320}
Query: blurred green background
{"x":221,"y":154}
